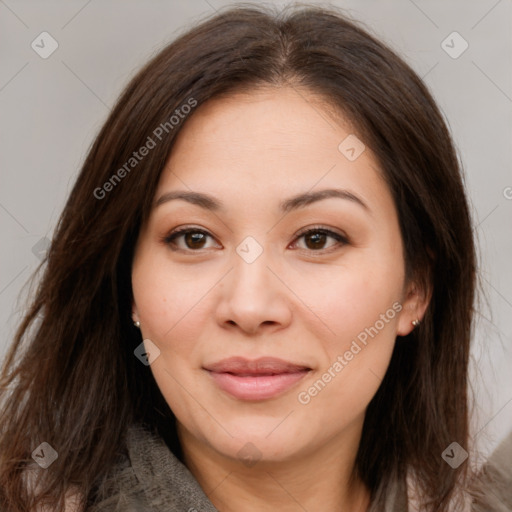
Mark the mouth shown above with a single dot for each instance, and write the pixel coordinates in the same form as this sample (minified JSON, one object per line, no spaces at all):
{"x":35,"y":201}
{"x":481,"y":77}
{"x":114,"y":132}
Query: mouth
{"x":258,"y":379}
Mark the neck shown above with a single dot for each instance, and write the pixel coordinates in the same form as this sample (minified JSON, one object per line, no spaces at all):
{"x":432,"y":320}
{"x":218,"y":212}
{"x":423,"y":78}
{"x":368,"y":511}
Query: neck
{"x":321,"y":480}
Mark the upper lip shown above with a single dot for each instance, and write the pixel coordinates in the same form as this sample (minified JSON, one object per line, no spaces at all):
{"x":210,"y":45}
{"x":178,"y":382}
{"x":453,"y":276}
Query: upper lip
{"x":261,"y":366}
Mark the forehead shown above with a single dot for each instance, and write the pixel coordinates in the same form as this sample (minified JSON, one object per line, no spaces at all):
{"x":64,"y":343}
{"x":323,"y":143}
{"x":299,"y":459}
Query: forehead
{"x":268,"y":144}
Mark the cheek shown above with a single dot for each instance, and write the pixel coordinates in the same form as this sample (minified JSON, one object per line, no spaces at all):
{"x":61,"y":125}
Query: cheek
{"x":167,"y":300}
{"x":360,"y":304}
{"x":346,"y":299}
{"x":170,"y":310}
{"x":354,"y":362}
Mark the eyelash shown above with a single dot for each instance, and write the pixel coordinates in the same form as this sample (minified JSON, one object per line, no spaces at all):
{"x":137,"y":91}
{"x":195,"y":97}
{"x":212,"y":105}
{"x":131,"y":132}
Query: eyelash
{"x":341,"y":239}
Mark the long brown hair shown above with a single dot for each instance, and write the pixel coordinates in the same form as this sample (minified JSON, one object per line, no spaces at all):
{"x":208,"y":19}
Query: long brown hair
{"x":70,"y":377}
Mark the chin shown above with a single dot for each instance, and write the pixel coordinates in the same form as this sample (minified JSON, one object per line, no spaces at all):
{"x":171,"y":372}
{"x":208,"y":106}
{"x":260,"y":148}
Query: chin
{"x":264,"y":440}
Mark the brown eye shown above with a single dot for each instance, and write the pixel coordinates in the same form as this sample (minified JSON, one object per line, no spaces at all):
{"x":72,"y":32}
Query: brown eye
{"x":194,"y":239}
{"x":315,"y":239}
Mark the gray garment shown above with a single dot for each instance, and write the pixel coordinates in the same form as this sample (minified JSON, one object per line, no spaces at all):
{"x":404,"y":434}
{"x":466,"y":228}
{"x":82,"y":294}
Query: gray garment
{"x":492,"y":489}
{"x":152,"y":479}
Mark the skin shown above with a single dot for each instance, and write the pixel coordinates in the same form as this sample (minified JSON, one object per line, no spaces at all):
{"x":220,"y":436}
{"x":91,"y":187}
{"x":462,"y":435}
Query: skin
{"x":303,"y":300}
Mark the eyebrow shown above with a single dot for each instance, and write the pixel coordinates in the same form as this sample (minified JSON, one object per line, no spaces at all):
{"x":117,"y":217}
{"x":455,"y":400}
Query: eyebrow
{"x":293,"y":203}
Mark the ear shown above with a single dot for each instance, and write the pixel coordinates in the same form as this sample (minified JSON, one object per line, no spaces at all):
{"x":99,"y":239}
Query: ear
{"x":135,"y":313}
{"x":417,"y":299}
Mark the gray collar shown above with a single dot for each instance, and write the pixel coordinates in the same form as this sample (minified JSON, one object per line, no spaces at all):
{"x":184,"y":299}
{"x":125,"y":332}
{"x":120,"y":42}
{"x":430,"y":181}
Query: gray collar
{"x":150,"y":478}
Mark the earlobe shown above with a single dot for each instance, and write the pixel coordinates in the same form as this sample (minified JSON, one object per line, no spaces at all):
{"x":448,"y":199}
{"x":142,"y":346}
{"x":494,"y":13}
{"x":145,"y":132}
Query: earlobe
{"x":135,"y":315}
{"x":414,"y":307}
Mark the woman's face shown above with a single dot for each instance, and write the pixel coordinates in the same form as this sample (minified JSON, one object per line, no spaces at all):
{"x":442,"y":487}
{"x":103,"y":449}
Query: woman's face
{"x":267,"y":335}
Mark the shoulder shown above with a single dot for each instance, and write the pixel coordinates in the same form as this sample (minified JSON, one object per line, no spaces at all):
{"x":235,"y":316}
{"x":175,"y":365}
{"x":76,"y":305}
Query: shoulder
{"x":74,"y":501}
{"x":492,"y":487}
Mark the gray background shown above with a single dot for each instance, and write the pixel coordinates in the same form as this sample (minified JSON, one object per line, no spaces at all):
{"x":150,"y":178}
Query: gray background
{"x":52,"y":108}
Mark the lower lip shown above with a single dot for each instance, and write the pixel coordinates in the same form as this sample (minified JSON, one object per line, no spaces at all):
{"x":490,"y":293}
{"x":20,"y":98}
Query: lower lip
{"x":256,"y":387}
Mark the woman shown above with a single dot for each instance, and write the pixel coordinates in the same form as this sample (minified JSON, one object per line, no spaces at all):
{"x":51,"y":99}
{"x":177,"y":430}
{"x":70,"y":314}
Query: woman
{"x":260,"y":290}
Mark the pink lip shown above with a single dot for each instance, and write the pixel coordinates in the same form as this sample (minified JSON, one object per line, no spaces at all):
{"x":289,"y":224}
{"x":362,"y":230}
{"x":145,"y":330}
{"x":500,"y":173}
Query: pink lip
{"x":256,"y":379}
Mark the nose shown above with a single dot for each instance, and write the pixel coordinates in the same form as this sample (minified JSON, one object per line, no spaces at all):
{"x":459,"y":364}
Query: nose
{"x":253,"y":297}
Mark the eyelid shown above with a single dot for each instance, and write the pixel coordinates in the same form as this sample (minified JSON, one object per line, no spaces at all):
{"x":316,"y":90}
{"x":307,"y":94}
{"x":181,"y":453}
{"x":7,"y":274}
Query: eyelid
{"x":325,"y":229}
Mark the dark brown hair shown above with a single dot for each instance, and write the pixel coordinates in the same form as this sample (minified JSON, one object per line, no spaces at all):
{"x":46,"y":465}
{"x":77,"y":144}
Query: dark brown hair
{"x":71,"y":378}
